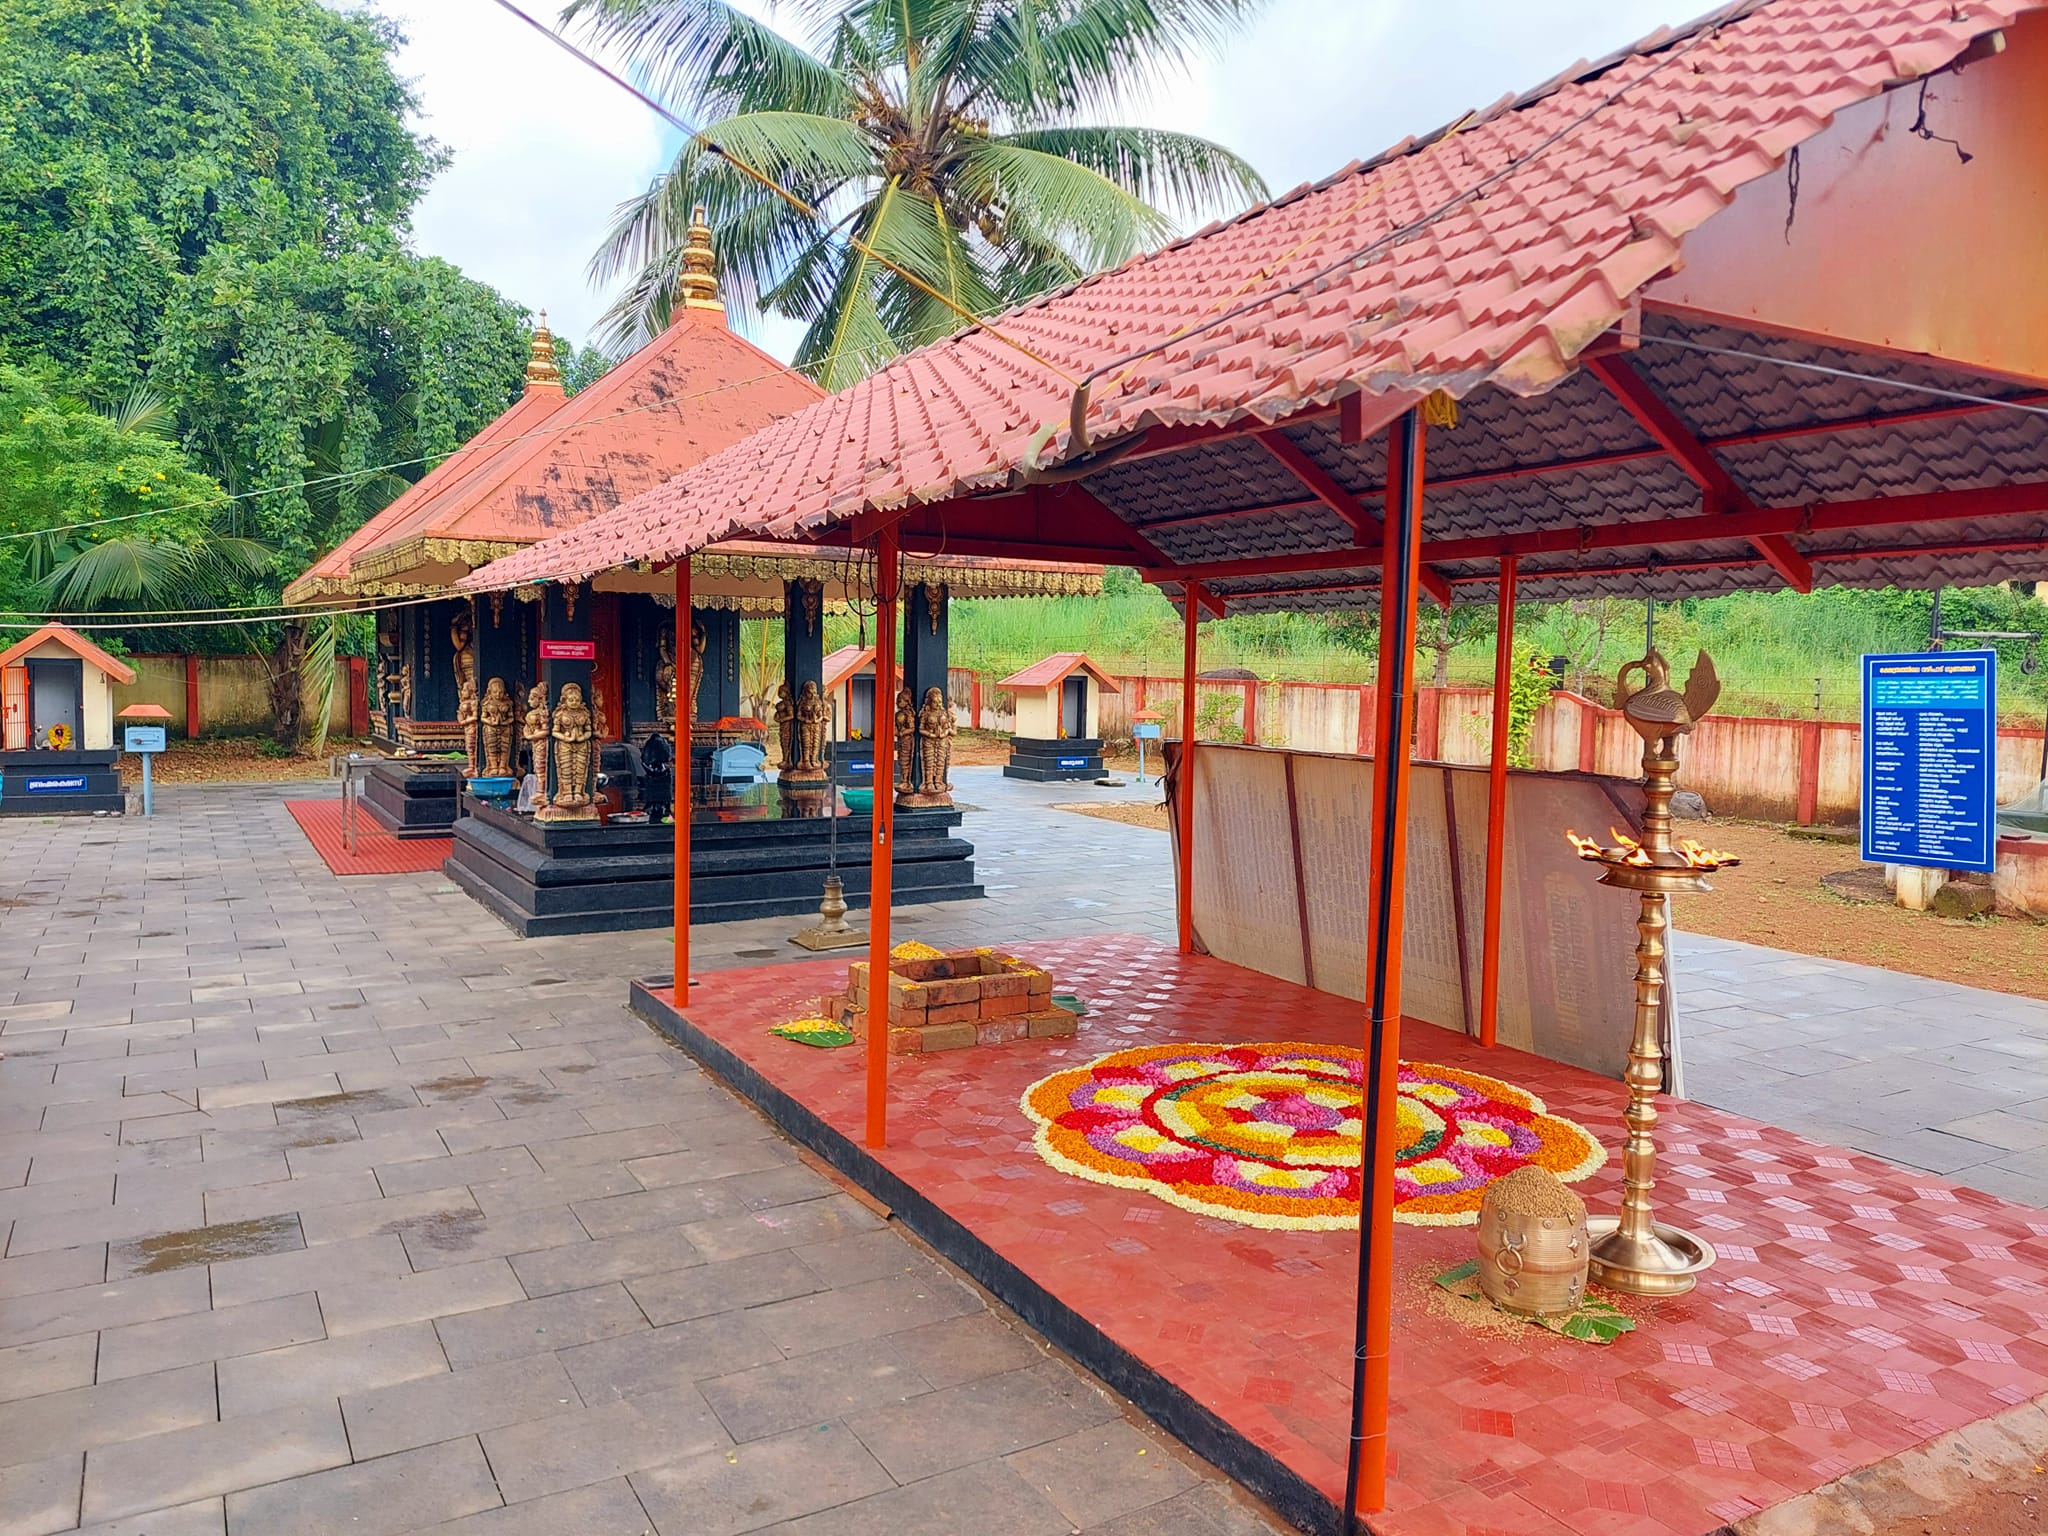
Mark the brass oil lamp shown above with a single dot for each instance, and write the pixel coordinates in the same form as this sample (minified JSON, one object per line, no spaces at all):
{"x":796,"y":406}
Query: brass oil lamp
{"x":1635,"y":1252}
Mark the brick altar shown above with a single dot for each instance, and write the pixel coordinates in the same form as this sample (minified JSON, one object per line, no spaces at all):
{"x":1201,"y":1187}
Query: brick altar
{"x":967,"y":997}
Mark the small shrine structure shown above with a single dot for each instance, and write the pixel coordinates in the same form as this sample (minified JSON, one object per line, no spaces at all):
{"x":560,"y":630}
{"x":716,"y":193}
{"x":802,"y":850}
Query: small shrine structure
{"x":1058,"y":704}
{"x":57,"y":747}
{"x":474,"y":687}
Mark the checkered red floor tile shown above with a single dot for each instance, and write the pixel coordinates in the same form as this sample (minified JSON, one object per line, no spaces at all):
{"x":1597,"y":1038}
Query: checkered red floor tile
{"x":376,"y":851}
{"x":1857,"y":1309}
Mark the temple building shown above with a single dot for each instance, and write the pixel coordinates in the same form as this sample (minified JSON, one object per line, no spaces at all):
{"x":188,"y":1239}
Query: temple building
{"x":459,"y":675}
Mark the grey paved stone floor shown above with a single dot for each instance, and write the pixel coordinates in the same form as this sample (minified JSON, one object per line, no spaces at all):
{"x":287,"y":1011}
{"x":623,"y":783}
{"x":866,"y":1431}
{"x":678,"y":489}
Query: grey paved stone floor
{"x":328,"y":1206}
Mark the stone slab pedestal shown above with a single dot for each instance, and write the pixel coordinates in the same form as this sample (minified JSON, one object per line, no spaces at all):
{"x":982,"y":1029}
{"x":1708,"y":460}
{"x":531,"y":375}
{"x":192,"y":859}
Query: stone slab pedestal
{"x":1032,"y":757}
{"x":40,"y":782}
{"x":412,"y":800}
{"x":752,"y":854}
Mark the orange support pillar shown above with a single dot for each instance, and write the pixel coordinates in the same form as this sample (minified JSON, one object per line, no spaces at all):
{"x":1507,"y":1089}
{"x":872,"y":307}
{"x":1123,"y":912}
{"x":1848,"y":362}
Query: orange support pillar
{"x":1191,"y":597}
{"x":882,"y":849}
{"x":680,"y":809}
{"x":1400,"y":572}
{"x":974,"y":698}
{"x":192,"y":721}
{"x":1497,"y":801}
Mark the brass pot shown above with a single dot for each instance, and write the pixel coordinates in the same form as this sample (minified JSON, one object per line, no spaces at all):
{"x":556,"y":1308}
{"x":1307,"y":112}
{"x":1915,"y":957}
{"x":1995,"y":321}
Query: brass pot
{"x":1531,"y":1264}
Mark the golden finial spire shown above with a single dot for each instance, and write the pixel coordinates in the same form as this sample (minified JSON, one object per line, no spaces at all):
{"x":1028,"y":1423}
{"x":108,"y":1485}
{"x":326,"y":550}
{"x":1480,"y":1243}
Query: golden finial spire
{"x":540,"y":368}
{"x":699,"y":284}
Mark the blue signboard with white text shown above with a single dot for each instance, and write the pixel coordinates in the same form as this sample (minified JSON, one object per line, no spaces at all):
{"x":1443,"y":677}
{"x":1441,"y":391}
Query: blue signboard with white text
{"x":1930,"y":759}
{"x":65,"y":784}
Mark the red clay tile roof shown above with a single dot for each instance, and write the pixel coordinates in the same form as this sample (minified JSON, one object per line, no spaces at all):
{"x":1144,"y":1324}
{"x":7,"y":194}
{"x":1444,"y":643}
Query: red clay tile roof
{"x":74,"y":642}
{"x":548,"y":463}
{"x":1054,"y":670}
{"x":844,"y":662}
{"x":1493,"y":252}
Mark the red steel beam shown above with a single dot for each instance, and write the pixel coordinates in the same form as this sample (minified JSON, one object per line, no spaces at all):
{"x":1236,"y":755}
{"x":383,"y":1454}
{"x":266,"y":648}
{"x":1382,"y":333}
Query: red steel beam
{"x":1718,"y":488}
{"x":1365,"y":526}
{"x":2029,"y":499}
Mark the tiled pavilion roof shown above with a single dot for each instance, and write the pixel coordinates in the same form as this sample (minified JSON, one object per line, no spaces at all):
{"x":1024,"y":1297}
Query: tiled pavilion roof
{"x":1512,"y":251}
{"x":549,"y":462}
{"x":1056,"y":669}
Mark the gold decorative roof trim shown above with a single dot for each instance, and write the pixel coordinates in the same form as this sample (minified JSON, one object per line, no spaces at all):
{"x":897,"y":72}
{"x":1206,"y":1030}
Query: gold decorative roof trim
{"x":699,"y":280}
{"x":540,"y":367}
{"x":382,"y":573}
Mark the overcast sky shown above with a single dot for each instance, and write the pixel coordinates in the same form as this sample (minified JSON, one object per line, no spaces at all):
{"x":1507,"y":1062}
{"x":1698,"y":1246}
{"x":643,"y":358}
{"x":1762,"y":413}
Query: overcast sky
{"x":544,"y":149}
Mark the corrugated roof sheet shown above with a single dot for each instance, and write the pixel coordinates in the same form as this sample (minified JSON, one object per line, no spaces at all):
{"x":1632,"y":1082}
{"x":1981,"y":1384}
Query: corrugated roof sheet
{"x":1491,"y":254}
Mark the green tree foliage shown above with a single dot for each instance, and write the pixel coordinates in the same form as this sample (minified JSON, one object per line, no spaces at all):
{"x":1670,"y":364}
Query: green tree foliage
{"x":209,"y":198}
{"x":62,"y":463}
{"x":581,"y":366}
{"x":332,"y":365}
{"x":136,"y":136}
{"x":948,"y":136}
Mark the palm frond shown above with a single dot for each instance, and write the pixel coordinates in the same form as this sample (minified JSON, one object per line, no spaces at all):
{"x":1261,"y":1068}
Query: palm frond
{"x":1068,"y":204}
{"x":1041,"y":58}
{"x":318,"y":676}
{"x":798,"y":150}
{"x":1173,"y":171}
{"x":144,"y":411}
{"x":117,"y":571}
{"x":849,"y":340}
{"x":713,"y":58}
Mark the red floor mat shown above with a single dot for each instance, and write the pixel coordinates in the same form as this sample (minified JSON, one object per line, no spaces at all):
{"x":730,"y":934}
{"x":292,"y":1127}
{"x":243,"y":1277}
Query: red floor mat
{"x":376,"y":852}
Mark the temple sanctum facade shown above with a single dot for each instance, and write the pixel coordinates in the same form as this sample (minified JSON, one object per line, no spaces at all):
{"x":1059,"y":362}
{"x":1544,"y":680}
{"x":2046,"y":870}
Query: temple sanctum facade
{"x":477,"y":686}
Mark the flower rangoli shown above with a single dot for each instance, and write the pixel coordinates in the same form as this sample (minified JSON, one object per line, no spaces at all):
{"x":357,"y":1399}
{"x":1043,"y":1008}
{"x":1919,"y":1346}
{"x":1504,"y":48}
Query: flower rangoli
{"x":1269,"y":1134}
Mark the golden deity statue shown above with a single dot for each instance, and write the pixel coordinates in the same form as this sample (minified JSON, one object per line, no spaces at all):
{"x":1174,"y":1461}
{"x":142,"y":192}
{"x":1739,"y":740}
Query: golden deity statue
{"x":697,"y":641}
{"x":935,"y":745}
{"x":810,"y":731}
{"x":906,"y":743}
{"x":537,"y":729}
{"x":462,"y":638}
{"x":665,"y":680}
{"x":495,"y":725}
{"x":575,"y":757}
{"x":465,"y":722}
{"x":785,"y":728}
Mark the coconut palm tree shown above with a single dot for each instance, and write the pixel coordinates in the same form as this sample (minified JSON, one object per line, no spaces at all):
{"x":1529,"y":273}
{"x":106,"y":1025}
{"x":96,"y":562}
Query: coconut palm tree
{"x":944,"y":135}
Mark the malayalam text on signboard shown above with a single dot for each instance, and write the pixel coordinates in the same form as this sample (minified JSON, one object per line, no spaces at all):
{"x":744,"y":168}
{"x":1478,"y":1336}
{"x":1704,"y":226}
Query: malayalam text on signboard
{"x":568,"y":650}
{"x":1930,"y":746}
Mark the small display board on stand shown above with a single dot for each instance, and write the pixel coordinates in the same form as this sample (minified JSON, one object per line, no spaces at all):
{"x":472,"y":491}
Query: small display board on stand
{"x":1930,"y":760}
{"x":144,"y":738}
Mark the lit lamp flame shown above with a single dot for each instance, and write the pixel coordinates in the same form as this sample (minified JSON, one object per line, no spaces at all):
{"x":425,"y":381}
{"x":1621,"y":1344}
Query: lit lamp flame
{"x":1700,"y":857}
{"x":1629,"y":850}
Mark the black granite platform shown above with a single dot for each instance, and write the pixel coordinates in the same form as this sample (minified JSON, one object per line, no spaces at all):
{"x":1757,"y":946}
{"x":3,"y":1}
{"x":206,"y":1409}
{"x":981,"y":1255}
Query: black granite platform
{"x":414,"y":799}
{"x":39,"y":782}
{"x":753,"y":854}
{"x":1033,"y":757}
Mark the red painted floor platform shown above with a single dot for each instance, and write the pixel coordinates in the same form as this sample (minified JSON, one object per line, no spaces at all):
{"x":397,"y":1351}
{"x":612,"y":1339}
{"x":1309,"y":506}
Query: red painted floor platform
{"x":1857,"y":1309}
{"x":376,"y":851}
